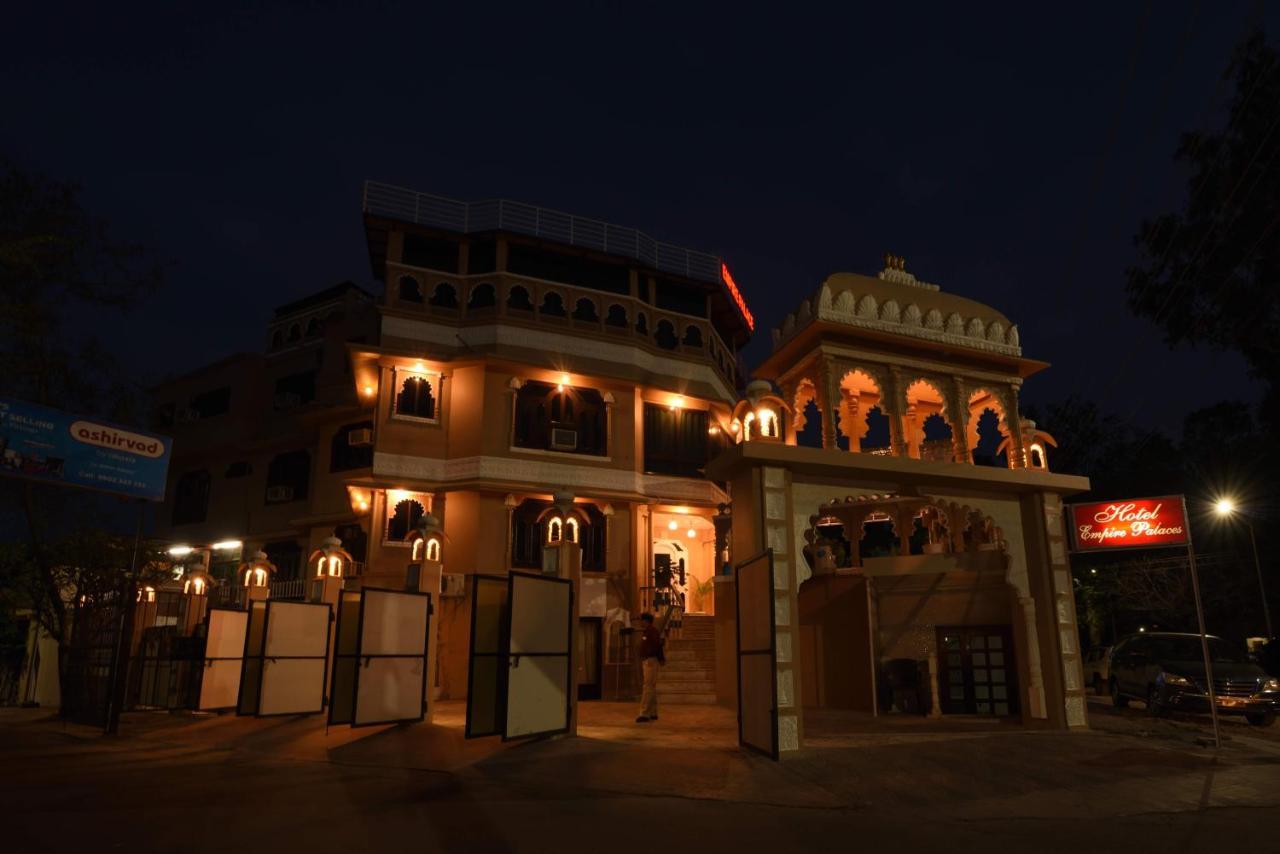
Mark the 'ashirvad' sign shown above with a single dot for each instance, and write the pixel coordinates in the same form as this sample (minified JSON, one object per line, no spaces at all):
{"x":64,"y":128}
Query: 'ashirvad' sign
{"x":56,"y":447}
{"x":1134,"y":523}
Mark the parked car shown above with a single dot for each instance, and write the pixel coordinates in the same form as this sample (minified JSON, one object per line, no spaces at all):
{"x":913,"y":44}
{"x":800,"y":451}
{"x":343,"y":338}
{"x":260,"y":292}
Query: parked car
{"x":1097,"y":669}
{"x":1166,"y":670}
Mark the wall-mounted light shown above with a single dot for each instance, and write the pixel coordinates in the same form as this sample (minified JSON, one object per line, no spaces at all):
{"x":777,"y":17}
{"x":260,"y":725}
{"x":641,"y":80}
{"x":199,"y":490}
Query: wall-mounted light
{"x":180,"y":551}
{"x":673,"y":525}
{"x":225,"y":545}
{"x":677,"y":402}
{"x":691,"y":533}
{"x":713,"y":430}
{"x":369,"y":390}
{"x":564,"y":381}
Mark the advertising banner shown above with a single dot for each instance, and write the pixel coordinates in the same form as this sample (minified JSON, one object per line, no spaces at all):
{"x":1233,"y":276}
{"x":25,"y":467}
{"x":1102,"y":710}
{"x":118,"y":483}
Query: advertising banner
{"x":1132,"y":523}
{"x":51,"y":446}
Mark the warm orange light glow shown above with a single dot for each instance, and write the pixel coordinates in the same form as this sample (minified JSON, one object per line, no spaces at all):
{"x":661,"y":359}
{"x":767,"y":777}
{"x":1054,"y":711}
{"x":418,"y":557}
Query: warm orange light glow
{"x":1224,"y":507}
{"x":691,"y":533}
{"x":419,"y":367}
{"x":368,"y":391}
{"x":673,"y":525}
{"x":737,"y":296}
{"x":677,"y":402}
{"x":433,"y":549}
{"x":713,"y":430}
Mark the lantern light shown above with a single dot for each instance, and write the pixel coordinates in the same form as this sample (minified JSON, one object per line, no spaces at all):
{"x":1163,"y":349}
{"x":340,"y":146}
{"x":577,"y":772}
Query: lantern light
{"x":673,"y":525}
{"x":257,"y":571}
{"x":691,"y":533}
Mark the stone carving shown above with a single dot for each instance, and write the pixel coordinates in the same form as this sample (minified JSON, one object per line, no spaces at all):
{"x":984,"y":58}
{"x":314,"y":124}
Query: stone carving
{"x":867,"y":306}
{"x":933,"y":320}
{"x":890,"y":311}
{"x":911,"y":317}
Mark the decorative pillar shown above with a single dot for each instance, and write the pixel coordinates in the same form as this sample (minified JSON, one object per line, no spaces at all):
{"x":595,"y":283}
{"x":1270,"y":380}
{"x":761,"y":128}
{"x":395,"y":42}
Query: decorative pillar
{"x":828,"y":392}
{"x":854,"y":422}
{"x":424,"y":575}
{"x":569,"y":565}
{"x":1012,"y":427}
{"x":960,"y":422}
{"x":894,"y":412}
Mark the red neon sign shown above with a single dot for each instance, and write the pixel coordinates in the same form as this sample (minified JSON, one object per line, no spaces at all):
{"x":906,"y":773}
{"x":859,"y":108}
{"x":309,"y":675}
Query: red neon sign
{"x":1134,"y":523}
{"x":737,"y":296}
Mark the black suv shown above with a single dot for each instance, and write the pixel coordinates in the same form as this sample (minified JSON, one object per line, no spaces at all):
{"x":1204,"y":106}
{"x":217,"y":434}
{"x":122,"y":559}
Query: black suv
{"x":1166,"y":669}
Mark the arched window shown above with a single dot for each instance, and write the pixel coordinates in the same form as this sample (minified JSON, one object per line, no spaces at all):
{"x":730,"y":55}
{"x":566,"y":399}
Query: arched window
{"x":352,"y":447}
{"x":552,"y":304}
{"x":288,"y":477}
{"x":642,"y":324}
{"x":692,"y":336}
{"x":191,"y":498}
{"x":616,"y":316}
{"x":403,"y":518}
{"x":665,"y":335}
{"x":410,"y":289}
{"x":416,"y":398}
{"x":313,"y":327}
{"x":482,"y":296}
{"x":585,"y":310}
{"x":560,"y":418}
{"x":518,"y":299}
{"x":1037,"y":457}
{"x":444,"y":296}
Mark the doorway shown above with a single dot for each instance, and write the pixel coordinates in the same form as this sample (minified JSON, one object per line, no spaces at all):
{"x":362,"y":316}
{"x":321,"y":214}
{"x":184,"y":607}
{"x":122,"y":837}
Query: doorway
{"x":976,"y":674}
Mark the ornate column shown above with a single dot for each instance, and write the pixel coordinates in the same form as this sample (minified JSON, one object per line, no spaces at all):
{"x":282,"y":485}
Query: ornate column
{"x":853,"y":420}
{"x":828,"y":392}
{"x":960,"y":422}
{"x":1011,"y":426}
{"x":893,"y":403}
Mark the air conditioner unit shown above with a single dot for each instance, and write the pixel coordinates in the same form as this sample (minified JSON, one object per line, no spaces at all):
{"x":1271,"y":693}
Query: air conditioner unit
{"x":188,"y":414}
{"x":453,"y":585}
{"x":363,"y":436}
{"x":279,"y":494}
{"x":287,"y":400}
{"x":563,"y":439}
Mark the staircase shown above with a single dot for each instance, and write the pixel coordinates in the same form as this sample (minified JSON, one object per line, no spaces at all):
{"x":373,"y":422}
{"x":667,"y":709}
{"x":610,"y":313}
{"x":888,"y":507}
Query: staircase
{"x":689,"y":676}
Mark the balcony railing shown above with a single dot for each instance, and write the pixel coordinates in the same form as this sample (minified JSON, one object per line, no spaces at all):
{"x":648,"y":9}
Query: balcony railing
{"x":505,"y":215}
{"x":483,"y":298}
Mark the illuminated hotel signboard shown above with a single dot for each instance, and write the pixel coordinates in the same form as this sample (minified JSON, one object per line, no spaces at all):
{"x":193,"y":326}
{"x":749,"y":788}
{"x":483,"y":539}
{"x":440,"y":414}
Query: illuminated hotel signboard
{"x":1134,"y":523}
{"x":737,"y":296}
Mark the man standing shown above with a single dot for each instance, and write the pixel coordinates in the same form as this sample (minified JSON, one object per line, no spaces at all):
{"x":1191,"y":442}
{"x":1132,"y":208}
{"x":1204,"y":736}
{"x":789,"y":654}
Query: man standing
{"x":651,"y":659}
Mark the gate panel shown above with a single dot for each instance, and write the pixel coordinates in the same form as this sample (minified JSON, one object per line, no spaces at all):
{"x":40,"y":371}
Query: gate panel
{"x":391,"y":680}
{"x":251,"y":673}
{"x":223,"y":659}
{"x":346,"y":651}
{"x":486,"y":669}
{"x":757,"y":656}
{"x":539,"y":669}
{"x":295,"y":647}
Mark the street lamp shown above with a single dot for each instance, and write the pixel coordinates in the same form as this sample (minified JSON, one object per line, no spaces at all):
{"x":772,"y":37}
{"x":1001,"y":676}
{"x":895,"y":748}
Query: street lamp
{"x":1226,"y":508}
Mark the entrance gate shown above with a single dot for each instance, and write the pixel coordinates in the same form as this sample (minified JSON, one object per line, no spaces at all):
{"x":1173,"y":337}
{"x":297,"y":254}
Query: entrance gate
{"x":757,"y":656}
{"x":286,"y":648}
{"x":380,"y":658}
{"x":521,"y":667}
{"x":223,"y":659}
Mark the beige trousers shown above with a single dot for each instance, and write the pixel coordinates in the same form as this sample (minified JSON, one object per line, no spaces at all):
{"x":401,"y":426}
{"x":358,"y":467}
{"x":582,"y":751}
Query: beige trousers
{"x":649,"y":696}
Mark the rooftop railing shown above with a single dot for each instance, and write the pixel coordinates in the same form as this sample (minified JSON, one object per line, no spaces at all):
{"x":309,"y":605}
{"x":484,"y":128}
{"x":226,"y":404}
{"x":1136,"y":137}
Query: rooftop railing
{"x":505,"y":215}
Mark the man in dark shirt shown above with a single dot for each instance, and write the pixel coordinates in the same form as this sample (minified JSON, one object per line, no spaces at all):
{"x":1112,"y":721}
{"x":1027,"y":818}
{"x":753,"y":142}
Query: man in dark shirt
{"x":650,"y":660}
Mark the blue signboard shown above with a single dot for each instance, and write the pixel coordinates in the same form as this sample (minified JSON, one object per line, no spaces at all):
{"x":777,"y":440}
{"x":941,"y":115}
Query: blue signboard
{"x":56,"y":447}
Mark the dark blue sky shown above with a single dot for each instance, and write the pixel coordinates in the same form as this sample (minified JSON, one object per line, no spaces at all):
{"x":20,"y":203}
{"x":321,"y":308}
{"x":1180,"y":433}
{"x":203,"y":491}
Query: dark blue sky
{"x":1008,"y":155}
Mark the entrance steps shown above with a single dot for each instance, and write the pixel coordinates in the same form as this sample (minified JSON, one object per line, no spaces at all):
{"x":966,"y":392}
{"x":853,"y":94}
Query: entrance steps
{"x":689,"y":676}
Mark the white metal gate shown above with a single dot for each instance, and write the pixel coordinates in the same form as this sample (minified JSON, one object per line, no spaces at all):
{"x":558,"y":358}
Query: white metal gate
{"x":223,"y":659}
{"x":757,"y":656}
{"x":286,"y":649}
{"x":539,"y":656}
{"x":487,"y":665}
{"x":382,"y":677}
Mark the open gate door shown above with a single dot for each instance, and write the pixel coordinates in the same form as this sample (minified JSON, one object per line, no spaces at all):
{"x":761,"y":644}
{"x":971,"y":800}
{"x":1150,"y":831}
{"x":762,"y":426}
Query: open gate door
{"x":251,"y":672}
{"x":223,"y":659}
{"x":539,"y":666}
{"x":391,"y":680}
{"x":487,"y":667}
{"x":757,"y":656}
{"x":346,"y":659}
{"x":295,"y":645}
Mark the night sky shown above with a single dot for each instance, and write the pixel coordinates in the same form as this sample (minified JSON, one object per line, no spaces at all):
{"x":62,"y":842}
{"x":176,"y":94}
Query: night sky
{"x":1009,"y":158}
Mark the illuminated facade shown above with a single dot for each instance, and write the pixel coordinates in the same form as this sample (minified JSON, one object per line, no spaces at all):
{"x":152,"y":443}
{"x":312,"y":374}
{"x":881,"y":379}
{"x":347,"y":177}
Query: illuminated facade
{"x":920,"y":557}
{"x":515,"y":353}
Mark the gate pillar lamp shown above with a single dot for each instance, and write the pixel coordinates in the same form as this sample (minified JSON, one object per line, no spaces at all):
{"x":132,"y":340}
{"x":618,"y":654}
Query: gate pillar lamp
{"x":330,"y":565}
{"x":255,"y":575}
{"x":760,"y":416}
{"x":426,"y":556}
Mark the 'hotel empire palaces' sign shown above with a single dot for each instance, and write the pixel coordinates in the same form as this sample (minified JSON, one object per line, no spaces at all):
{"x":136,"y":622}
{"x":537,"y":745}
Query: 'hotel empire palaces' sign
{"x":1134,"y":523}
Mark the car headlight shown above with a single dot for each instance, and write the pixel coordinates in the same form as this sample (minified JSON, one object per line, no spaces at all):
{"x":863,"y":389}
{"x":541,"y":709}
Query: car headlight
{"x":1271,"y":684}
{"x":1175,"y":679}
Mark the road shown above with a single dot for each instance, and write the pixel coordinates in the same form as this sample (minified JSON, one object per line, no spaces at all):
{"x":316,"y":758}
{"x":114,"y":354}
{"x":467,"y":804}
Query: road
{"x":246,"y":786}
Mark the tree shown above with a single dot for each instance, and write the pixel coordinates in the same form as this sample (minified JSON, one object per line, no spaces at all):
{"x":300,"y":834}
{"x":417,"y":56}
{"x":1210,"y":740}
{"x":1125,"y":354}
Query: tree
{"x":60,"y":270}
{"x":1210,"y":274}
